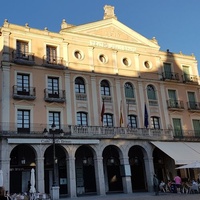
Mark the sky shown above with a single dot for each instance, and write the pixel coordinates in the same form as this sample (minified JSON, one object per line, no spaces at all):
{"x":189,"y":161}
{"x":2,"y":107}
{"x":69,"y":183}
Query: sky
{"x":174,"y":23}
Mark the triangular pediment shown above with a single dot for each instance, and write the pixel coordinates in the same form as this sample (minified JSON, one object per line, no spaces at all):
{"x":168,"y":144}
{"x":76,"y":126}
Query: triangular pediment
{"x":112,"y":29}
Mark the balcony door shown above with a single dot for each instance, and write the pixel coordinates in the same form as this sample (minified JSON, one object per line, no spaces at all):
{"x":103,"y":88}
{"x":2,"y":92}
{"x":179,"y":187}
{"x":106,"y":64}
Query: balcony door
{"x":53,"y":87}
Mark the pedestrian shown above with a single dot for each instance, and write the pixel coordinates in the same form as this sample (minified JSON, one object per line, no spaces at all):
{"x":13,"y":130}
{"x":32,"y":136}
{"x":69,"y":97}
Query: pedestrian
{"x":177,"y":180}
{"x":156,"y":184}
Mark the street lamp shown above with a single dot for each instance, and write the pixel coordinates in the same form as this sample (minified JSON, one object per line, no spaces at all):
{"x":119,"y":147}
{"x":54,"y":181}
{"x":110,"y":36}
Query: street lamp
{"x":53,"y":128}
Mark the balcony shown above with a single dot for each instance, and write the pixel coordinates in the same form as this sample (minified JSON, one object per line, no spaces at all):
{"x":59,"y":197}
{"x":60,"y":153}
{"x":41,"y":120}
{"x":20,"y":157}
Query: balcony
{"x":81,"y":97}
{"x":23,"y":58}
{"x":26,"y":93}
{"x":54,"y":62}
{"x":54,"y":96}
{"x":190,"y":79}
{"x":10,"y":130}
{"x":193,"y":106}
{"x":175,"y":105}
{"x":171,"y":76}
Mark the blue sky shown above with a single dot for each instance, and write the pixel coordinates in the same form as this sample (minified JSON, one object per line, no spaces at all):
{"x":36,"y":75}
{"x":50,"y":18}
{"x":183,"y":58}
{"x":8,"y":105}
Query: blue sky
{"x":174,"y":23}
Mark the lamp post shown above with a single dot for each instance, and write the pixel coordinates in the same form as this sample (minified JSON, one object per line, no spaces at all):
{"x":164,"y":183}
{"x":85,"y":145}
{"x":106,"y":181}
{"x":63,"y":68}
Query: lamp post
{"x":53,"y":128}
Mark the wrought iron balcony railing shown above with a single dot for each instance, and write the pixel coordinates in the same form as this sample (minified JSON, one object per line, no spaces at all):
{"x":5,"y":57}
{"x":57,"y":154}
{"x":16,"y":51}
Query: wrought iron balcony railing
{"x":175,"y":104}
{"x":28,"y":93}
{"x":193,"y":105}
{"x":190,"y":79}
{"x":26,"y":58}
{"x":170,"y":76}
{"x":54,"y":62}
{"x":54,"y":96}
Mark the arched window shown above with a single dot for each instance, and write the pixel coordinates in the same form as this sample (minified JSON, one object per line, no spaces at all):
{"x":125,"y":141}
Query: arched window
{"x":108,"y":120}
{"x":105,"y":88}
{"x":82,"y":119}
{"x":132,"y":121}
{"x":79,"y":85}
{"x":155,"y":122}
{"x":129,"y":91}
{"x":151,"y":93}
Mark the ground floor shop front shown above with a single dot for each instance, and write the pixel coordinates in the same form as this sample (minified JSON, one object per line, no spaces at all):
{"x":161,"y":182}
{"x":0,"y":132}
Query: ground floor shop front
{"x":84,"y":166}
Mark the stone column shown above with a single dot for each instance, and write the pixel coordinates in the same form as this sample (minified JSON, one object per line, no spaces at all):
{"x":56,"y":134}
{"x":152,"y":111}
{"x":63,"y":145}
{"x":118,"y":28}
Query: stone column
{"x":126,"y":175}
{"x":40,"y":174}
{"x":71,"y":176}
{"x":100,"y":177}
{"x":149,"y":168}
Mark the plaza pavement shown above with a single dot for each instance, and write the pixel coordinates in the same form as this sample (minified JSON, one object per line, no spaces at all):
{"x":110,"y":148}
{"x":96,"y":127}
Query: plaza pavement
{"x":140,"y":196}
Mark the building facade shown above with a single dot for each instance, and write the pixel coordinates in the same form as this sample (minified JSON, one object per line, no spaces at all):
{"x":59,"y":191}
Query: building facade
{"x":121,"y":109}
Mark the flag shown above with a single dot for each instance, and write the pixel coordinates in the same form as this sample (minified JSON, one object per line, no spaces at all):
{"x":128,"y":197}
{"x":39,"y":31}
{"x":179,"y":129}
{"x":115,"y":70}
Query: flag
{"x":121,"y":121}
{"x":102,"y":111}
{"x":146,"y":120}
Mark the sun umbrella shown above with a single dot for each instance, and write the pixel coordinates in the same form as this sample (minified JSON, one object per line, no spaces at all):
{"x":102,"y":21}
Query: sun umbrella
{"x":32,"y":190}
{"x":1,"y":178}
{"x":195,"y":164}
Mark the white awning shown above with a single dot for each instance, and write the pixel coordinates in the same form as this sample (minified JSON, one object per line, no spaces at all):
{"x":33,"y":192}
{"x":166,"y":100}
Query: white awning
{"x":181,"y":152}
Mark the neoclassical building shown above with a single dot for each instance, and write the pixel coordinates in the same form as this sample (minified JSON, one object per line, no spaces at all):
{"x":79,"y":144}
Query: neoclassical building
{"x":95,"y":108}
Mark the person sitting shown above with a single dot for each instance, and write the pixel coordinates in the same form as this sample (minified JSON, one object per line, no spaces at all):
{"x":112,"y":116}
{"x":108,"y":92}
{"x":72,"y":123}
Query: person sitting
{"x":162,"y":186}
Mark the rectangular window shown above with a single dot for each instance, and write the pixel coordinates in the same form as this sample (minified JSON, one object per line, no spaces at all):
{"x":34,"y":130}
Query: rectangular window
{"x":155,"y":124}
{"x":23,"y":121}
{"x":192,"y":102}
{"x":196,"y":125}
{"x":22,"y":49}
{"x":173,"y":103}
{"x":23,"y":84}
{"x":53,"y":87}
{"x":186,"y":73}
{"x":51,"y":54}
{"x":82,"y":119}
{"x":54,"y":118}
{"x":177,"y":127}
{"x":132,"y":121}
{"x":167,"y":71}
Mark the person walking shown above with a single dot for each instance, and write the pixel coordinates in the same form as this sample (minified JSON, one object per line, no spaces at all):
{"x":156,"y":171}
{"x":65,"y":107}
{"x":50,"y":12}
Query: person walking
{"x":156,"y":184}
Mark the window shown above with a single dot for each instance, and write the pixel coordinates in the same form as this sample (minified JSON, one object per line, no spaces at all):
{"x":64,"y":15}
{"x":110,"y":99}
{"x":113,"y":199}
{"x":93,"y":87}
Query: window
{"x":82,"y":119}
{"x":129,"y":92}
{"x":54,"y":117}
{"x":105,"y":88}
{"x":192,"y":102}
{"x":108,"y":120}
{"x":132,"y":121}
{"x":22,"y":49}
{"x":167,"y":70}
{"x":102,"y":58}
{"x":23,"y":84}
{"x":126,"y":61}
{"x":147,"y":64}
{"x":196,"y":125}
{"x":79,"y":85}
{"x":51,"y":54}
{"x":23,"y":121}
{"x":186,"y":73}
{"x":53,"y":87}
{"x":173,"y":103}
{"x":177,"y":127}
{"x":155,"y":124}
{"x":151,"y":93}
{"x":78,"y":55}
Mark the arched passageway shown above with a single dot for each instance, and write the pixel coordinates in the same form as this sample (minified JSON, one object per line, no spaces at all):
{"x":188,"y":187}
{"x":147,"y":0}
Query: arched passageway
{"x":85,"y":171}
{"x":111,"y":163}
{"x":22,"y":160}
{"x":60,"y":169}
{"x":138,"y":175}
